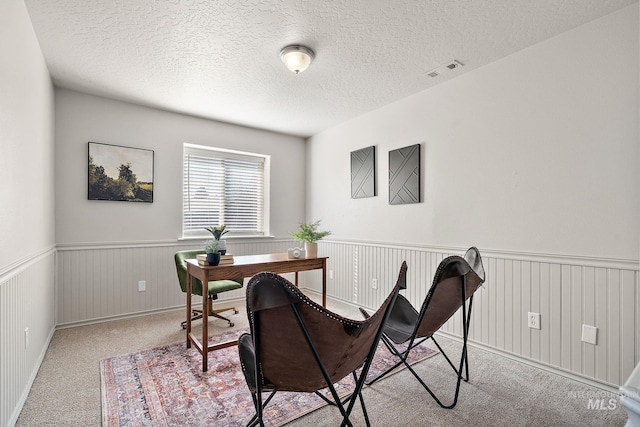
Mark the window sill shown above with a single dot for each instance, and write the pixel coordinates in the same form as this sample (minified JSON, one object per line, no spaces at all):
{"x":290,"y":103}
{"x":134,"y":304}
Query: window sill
{"x":229,"y":238}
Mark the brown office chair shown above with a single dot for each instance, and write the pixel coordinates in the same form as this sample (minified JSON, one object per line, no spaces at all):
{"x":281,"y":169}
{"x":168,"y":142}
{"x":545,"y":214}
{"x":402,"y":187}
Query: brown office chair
{"x":298,"y":345}
{"x":454,"y":283}
{"x":214,"y":288}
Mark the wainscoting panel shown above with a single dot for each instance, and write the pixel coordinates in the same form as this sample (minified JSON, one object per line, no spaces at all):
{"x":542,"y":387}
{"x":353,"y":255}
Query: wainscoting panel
{"x":342,"y":274}
{"x":26,"y":302}
{"x":567,"y":292}
{"x":100,"y":283}
{"x":96,"y":283}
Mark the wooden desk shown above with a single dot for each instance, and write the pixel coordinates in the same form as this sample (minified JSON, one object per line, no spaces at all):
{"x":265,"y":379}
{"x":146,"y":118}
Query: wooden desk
{"x":243,"y":266}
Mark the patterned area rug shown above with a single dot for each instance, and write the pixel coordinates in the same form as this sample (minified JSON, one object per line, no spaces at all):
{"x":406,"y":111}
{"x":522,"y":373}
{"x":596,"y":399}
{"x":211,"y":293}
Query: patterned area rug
{"x":165,"y":386}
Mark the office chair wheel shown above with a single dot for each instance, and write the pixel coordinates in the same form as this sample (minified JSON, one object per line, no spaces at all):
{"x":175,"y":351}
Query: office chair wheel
{"x":231,"y":324}
{"x":235,"y":311}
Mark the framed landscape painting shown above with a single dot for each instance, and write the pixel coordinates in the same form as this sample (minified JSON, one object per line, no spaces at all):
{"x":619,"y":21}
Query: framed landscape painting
{"x":120,"y":173}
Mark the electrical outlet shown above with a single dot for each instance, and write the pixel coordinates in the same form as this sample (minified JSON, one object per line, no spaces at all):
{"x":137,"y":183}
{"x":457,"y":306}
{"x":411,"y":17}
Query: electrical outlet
{"x":374,"y":283}
{"x":589,"y":334}
{"x":533,"y":320}
{"x":330,"y":274}
{"x":26,"y":338}
{"x":142,"y":286}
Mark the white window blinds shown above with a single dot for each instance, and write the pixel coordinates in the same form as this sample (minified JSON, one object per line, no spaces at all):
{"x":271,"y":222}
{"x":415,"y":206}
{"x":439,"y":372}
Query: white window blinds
{"x":223,"y":187}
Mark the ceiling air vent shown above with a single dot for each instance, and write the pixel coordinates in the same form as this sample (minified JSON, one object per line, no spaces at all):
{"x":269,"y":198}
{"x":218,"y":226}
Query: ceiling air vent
{"x":451,"y":65}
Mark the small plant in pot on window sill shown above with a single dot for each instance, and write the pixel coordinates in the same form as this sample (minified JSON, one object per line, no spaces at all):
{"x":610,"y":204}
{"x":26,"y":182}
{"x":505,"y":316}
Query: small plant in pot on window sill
{"x":217,"y":233}
{"x":212,"y":248}
{"x":308,"y":234}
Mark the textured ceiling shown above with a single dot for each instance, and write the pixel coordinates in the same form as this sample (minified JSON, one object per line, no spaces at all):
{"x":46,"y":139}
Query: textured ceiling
{"x":219,"y":59}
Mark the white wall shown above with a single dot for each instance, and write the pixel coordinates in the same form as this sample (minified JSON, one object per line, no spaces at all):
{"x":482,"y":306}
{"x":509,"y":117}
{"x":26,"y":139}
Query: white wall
{"x":26,"y":134}
{"x":537,"y":152}
{"x":27,"y":252}
{"x":106,"y":247}
{"x":81,"y":118}
{"x":535,"y":159}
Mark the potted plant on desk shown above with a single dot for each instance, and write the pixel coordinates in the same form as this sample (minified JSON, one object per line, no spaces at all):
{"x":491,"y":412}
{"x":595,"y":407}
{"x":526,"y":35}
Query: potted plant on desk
{"x":308,"y":234}
{"x":217,"y":233}
{"x":212,"y":248}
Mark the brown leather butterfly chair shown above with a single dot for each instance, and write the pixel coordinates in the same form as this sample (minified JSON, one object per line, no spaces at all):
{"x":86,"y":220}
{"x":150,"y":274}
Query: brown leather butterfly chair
{"x":454,"y":283}
{"x":297,"y":345}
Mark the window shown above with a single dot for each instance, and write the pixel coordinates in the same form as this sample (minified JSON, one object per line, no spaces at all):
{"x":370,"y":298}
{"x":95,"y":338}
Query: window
{"x":224,"y":187}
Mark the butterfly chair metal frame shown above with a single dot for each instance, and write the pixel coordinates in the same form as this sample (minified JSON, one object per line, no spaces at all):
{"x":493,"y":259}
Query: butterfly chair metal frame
{"x":297,"y":345}
{"x":455,"y":281}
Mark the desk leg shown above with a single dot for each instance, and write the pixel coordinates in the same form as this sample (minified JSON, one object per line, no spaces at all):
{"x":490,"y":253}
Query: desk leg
{"x":205,"y":325}
{"x":324,"y":283}
{"x":188,"y":308}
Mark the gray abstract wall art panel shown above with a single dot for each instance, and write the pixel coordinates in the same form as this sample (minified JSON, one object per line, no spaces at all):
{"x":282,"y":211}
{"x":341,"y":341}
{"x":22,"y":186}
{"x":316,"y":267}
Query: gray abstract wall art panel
{"x":404,"y":175}
{"x":363,"y":173}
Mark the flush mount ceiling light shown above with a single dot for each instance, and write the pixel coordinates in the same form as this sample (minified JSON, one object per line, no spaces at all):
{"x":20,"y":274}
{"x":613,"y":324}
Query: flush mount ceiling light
{"x":297,"y":58}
